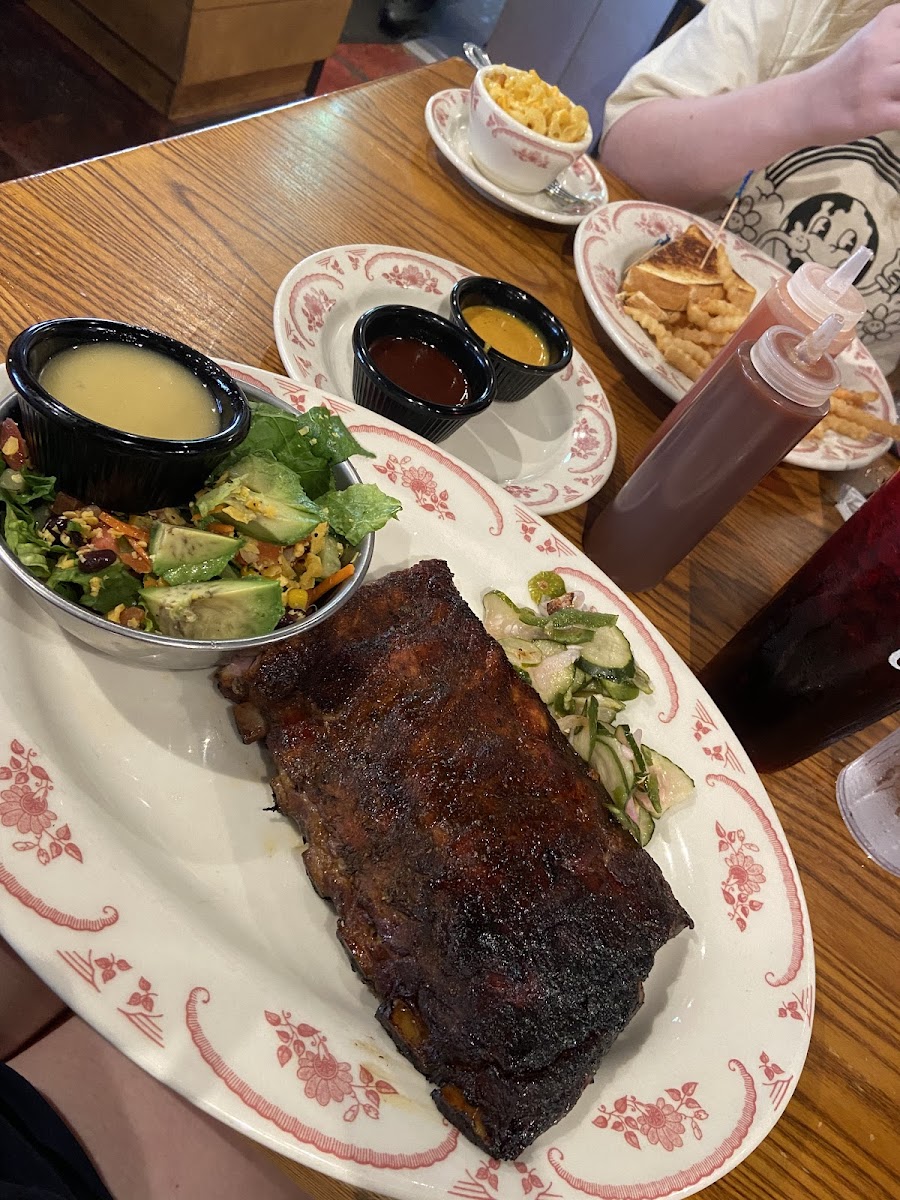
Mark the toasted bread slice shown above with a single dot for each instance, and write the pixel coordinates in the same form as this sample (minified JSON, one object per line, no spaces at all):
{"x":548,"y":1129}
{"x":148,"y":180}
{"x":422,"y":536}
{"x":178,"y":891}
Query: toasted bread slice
{"x":669,"y":272}
{"x":643,"y":303}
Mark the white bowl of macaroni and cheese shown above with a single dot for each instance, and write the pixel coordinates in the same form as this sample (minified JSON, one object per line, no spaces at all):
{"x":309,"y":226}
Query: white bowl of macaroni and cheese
{"x":523,"y":132}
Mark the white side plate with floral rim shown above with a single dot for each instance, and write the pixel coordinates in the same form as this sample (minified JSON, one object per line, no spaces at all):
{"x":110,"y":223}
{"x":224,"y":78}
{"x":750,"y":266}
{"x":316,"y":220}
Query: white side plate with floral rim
{"x":552,"y":451}
{"x":141,"y":876}
{"x":612,"y":238}
{"x":447,"y":122}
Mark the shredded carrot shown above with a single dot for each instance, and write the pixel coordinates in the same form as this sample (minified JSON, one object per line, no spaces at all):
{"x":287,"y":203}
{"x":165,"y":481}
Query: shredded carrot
{"x":331,"y":582}
{"x":221,"y":528}
{"x":123,"y":528}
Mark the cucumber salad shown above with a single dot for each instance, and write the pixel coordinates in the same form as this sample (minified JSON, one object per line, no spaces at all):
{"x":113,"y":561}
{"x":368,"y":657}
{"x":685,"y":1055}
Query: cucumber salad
{"x":581,"y":665}
{"x":255,"y":549}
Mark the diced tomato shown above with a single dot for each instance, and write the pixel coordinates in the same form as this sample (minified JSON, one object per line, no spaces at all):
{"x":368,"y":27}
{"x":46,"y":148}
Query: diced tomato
{"x":12,"y":444}
{"x":267,"y":554}
{"x":104,"y":539}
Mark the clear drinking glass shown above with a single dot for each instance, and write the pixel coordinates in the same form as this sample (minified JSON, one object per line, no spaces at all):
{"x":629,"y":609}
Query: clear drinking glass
{"x":868,"y":795}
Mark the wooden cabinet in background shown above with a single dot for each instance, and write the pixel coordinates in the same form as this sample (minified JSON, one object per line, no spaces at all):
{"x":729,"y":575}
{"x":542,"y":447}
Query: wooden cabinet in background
{"x":192,"y":59}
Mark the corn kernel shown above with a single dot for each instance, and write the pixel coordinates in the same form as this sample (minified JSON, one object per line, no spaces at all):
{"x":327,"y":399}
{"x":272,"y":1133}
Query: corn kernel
{"x":114,"y":613}
{"x":95,"y":585}
{"x":296,"y":598}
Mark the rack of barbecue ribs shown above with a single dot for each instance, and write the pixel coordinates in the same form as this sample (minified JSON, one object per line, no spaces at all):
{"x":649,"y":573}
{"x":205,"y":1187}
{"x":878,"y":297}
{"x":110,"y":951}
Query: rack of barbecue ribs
{"x":504,"y":920}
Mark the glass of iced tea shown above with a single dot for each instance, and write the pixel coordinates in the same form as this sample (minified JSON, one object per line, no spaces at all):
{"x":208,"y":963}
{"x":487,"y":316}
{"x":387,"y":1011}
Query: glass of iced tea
{"x":822,"y":658}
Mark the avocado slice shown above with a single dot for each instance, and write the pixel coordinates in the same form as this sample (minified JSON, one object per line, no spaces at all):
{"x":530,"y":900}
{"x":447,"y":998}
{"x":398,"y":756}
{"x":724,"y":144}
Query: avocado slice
{"x":261,"y":497}
{"x":217,"y":610}
{"x":185,"y":554}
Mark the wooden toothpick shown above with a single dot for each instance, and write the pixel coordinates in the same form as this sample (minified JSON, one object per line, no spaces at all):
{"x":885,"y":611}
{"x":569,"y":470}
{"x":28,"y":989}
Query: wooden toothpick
{"x":726,"y":219}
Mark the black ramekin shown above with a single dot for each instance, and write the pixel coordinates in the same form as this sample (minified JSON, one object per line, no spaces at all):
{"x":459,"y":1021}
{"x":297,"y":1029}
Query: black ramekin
{"x":101,"y":465}
{"x":374,"y":390}
{"x":513,"y":380}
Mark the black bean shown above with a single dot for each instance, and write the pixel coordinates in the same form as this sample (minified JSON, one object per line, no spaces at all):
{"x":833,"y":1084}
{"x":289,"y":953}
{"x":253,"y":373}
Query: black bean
{"x":96,"y":560}
{"x":287,"y":620}
{"x":56,"y":525}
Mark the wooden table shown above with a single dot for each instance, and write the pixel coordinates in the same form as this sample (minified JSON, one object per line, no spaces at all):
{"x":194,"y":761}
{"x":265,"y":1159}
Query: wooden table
{"x":193,"y":236}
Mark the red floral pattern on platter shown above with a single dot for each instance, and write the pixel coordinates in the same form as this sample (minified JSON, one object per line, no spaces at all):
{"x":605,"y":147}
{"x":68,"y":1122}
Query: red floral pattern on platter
{"x":663,"y":1123}
{"x":649,"y":639}
{"x":301,"y":1131}
{"x":325,"y":1079}
{"x":788,"y":878}
{"x":412,"y":270}
{"x":432,"y":452}
{"x":484,"y":1182}
{"x":24,"y":807}
{"x":315,"y":305}
{"x":777,"y":1080}
{"x":554,"y":544}
{"x":680,"y":1181}
{"x":285,"y":389}
{"x":704,"y":726}
{"x":47,"y":912}
{"x":139,"y":1008}
{"x":310,"y":303}
{"x":420,"y":482}
{"x":799,"y":1007}
{"x":745,"y":875}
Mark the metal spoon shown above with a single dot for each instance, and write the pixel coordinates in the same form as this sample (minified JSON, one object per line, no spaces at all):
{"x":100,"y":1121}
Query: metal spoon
{"x":562,"y":197}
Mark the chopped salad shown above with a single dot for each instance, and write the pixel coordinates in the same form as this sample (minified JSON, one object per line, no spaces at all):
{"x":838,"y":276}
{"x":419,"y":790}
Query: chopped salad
{"x":581,"y":665}
{"x":255,"y":549}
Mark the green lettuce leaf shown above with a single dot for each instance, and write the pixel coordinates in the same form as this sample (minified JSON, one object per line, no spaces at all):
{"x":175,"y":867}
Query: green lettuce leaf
{"x":21,"y":532}
{"x":118,"y":585}
{"x":357,"y":510}
{"x":310,"y":444}
{"x":26,"y":486}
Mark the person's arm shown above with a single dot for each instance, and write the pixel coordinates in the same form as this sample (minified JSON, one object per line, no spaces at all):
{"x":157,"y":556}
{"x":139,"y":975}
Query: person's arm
{"x":690,"y":150}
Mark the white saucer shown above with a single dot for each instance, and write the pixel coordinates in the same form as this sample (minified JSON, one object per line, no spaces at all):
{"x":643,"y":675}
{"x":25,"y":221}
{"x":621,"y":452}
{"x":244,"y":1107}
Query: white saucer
{"x":552,"y":451}
{"x":447,"y":119}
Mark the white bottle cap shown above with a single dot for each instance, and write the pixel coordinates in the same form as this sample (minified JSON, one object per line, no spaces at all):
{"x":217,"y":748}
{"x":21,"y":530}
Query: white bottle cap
{"x":797,"y":366}
{"x":819,"y":291}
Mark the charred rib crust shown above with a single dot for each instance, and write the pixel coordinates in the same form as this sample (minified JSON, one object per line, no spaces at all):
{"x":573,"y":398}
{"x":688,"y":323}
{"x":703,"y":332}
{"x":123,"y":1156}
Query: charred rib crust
{"x":479,"y":883}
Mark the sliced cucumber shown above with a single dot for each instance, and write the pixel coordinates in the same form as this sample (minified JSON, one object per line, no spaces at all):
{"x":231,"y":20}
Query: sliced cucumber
{"x":552,"y":678}
{"x":671,"y":784}
{"x":608,"y":655}
{"x":620,"y":691}
{"x":501,"y":618}
{"x":641,"y":829}
{"x":521,"y":653}
{"x":570,"y":635}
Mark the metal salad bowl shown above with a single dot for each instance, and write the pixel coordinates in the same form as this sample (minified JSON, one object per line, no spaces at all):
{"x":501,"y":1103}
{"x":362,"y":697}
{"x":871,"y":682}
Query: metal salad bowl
{"x":180,"y":654}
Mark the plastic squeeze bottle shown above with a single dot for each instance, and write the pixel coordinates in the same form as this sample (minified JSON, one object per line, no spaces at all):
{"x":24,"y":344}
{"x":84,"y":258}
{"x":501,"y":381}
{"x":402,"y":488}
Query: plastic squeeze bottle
{"x":755,"y":405}
{"x":802,"y":300}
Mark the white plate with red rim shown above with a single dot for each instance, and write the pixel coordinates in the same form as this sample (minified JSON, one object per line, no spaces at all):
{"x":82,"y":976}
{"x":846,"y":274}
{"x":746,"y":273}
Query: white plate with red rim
{"x":142,"y":878}
{"x":613,"y":237}
{"x":552,"y":451}
{"x":447,"y":121}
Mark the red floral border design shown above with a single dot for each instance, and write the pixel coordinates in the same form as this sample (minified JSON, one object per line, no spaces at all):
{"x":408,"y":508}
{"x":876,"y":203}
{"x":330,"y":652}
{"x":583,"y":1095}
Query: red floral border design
{"x":687,"y":1178}
{"x":326,"y":1080}
{"x":425,"y":448}
{"x":657,"y":654}
{"x":798,"y":935}
{"x":499,"y":127}
{"x":23,"y":805}
{"x":585,"y":439}
{"x":139,"y":1008}
{"x":554,"y":543}
{"x":292,"y":1125}
{"x":484,"y":1182}
{"x":704,"y":725}
{"x":662,"y":1123}
{"x":799,"y":1007}
{"x":776,"y":1079}
{"x":745,"y":875}
{"x":294,"y":332}
{"x":48,"y":913}
{"x":419,"y":260}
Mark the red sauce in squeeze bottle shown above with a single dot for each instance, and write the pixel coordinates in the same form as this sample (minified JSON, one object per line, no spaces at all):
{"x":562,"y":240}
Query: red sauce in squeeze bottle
{"x":754,"y":406}
{"x":802,"y":301}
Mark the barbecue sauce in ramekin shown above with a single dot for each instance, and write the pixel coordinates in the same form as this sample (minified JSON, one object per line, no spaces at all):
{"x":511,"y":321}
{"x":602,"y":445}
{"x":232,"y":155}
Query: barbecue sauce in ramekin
{"x":420,"y":370}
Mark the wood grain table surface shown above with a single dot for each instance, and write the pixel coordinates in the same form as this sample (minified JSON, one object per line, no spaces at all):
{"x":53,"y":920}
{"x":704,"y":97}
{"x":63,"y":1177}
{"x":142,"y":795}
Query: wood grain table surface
{"x":193,"y":236}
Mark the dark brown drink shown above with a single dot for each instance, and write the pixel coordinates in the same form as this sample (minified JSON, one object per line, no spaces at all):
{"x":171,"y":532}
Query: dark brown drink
{"x":822,"y":659}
